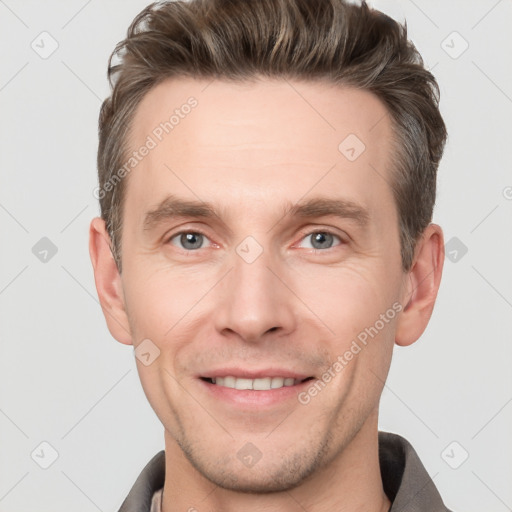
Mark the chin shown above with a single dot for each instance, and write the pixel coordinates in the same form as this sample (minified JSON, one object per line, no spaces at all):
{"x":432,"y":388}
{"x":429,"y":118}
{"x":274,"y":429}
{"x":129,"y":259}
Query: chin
{"x":265,"y":476}
{"x":260,"y":482}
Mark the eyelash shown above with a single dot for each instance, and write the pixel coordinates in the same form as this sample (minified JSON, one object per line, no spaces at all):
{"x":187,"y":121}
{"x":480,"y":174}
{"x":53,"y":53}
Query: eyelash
{"x":303,"y":235}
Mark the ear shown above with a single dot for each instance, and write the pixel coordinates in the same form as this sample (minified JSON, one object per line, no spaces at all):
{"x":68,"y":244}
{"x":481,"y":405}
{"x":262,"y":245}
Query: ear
{"x":421,"y":285}
{"x":108,"y":282}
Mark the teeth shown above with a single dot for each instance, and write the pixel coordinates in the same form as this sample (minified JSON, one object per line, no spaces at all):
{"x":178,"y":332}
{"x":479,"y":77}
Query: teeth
{"x":261,"y":384}
{"x":229,"y":382}
{"x":242,"y":384}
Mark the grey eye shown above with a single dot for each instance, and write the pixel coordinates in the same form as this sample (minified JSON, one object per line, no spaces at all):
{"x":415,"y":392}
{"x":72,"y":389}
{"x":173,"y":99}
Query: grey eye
{"x":321,"y":240}
{"x":188,"y":240}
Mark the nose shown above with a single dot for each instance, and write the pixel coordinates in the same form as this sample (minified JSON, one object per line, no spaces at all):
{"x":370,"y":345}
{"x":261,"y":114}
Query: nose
{"x":255,"y":299}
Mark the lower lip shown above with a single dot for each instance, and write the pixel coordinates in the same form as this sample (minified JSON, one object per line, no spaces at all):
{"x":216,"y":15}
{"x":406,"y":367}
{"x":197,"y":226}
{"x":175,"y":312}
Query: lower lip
{"x":250,"y":397}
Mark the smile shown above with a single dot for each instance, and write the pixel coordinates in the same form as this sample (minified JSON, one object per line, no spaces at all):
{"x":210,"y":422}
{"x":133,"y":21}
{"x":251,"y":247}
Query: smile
{"x":259,"y":384}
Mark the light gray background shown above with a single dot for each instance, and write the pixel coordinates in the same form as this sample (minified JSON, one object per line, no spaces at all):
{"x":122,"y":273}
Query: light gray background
{"x":65,"y":381}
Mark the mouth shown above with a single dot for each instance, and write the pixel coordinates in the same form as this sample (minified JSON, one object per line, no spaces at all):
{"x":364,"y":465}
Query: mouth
{"x":257,"y":384}
{"x":251,"y":389}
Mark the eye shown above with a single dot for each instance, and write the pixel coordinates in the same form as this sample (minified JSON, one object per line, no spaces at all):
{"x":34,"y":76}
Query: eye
{"x":321,"y":240}
{"x":188,"y":240}
{"x":193,"y":240}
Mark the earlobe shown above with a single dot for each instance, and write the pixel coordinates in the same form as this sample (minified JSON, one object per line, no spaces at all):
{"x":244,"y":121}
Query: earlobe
{"x":108,"y":282}
{"x":421,"y":286}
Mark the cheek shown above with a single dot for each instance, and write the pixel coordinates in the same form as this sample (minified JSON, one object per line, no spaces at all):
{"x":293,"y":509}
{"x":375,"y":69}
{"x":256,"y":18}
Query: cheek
{"x":347,"y":300}
{"x":341,"y":301}
{"x":156,"y":301}
{"x":159,"y":309}
{"x":356,"y":304}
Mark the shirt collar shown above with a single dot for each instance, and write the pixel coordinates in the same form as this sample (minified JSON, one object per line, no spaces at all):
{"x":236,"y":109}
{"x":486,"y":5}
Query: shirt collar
{"x":405,"y":480}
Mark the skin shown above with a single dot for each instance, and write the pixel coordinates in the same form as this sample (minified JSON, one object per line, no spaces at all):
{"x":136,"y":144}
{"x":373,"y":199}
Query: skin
{"x":249,"y":149}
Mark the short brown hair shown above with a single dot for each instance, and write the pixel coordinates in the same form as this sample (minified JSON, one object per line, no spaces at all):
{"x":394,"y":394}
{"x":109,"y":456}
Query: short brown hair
{"x":330,"y":40}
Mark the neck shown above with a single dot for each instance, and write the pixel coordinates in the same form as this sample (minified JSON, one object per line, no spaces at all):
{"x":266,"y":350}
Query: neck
{"x":350,"y":482}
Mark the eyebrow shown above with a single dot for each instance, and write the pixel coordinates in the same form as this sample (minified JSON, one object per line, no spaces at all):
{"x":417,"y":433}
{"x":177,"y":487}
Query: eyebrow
{"x":174,"y":207}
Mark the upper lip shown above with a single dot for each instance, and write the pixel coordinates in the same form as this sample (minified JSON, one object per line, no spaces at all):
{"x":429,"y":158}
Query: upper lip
{"x":255,"y":374}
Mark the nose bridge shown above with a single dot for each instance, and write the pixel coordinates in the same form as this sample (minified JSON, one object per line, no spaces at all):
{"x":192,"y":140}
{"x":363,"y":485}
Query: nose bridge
{"x":254,"y":299}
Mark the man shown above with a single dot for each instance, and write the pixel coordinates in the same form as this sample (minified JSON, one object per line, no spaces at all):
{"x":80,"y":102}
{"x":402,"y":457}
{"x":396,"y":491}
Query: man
{"x":267,"y":176}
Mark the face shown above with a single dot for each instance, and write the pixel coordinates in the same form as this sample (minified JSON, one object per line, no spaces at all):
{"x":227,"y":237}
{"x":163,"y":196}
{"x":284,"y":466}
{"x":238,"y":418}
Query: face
{"x":289,"y":261}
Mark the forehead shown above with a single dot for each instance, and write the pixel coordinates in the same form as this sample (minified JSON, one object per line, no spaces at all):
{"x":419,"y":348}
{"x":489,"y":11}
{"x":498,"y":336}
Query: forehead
{"x":264,"y":105}
{"x":262,"y":139}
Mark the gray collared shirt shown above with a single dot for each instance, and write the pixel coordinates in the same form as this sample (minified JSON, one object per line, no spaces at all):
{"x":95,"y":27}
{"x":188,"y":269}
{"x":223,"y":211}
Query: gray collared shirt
{"x":404,"y":478}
